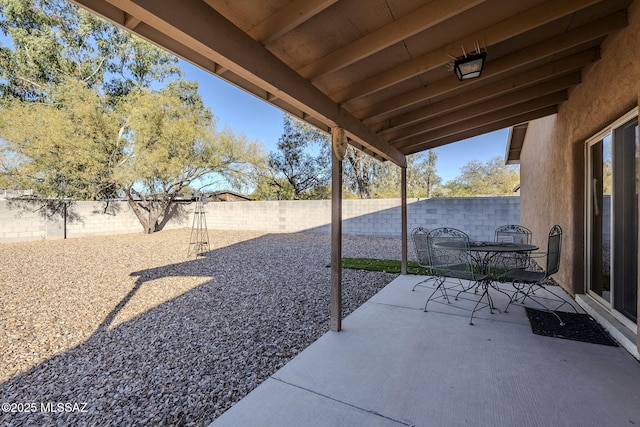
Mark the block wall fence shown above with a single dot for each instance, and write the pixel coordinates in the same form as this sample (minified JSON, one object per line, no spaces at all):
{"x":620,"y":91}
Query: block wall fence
{"x":477,"y":216}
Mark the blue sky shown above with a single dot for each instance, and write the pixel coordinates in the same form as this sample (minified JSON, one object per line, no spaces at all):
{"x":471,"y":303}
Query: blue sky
{"x":262,"y":122}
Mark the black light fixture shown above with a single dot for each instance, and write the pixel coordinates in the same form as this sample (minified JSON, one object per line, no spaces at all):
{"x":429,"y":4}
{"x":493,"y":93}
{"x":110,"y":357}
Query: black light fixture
{"x":469,"y":66}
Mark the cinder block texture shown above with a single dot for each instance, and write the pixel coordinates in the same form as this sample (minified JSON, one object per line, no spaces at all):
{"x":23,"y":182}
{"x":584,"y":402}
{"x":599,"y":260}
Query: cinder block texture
{"x":476,"y":216}
{"x":22,"y":221}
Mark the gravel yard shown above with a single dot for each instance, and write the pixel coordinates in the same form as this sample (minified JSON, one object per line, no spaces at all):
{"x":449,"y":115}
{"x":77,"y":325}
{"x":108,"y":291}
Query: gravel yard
{"x":126,"y":330}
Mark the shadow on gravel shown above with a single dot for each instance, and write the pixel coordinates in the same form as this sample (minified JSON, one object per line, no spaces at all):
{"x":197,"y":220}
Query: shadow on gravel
{"x":187,"y":360}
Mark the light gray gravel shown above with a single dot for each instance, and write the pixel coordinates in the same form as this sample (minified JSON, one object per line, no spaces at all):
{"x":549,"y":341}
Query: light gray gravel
{"x":126,"y":330}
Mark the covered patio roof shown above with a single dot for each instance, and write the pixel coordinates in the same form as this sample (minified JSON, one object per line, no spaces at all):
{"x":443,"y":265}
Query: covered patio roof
{"x":380,"y":69}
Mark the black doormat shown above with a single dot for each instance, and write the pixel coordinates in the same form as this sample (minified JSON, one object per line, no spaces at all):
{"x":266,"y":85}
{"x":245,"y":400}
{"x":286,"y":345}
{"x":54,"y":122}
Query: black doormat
{"x":577,"y":327}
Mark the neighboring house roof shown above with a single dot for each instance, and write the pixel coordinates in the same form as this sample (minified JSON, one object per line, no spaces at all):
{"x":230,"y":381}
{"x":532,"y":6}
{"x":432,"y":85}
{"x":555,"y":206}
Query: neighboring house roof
{"x":515,"y":143}
{"x":227,"y":196}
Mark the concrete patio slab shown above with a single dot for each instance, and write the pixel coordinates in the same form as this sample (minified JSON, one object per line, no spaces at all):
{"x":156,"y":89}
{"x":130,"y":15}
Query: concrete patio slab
{"x":393,"y":364}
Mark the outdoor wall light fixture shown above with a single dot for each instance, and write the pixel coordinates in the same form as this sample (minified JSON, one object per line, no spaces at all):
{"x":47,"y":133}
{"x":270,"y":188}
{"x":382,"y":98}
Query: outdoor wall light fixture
{"x":469,"y":66}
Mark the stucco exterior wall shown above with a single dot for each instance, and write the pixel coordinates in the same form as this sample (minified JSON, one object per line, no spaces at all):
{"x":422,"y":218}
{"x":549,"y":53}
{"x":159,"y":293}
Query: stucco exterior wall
{"x":553,"y":156}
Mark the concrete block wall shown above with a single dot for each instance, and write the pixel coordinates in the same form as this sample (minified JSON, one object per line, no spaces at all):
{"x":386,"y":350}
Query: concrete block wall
{"x":22,"y":222}
{"x":97,"y":218}
{"x":285,"y":216}
{"x":476,"y":216}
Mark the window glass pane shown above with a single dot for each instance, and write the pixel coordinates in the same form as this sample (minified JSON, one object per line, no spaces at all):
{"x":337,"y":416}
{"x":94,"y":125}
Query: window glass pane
{"x":625,"y":220}
{"x":600,"y":235}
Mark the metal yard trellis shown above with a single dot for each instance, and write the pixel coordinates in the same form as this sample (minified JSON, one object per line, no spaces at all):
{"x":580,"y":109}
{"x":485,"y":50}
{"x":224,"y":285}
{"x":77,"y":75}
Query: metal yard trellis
{"x":199,"y":240}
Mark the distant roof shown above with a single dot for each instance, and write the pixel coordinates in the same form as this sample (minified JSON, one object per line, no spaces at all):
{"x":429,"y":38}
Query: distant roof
{"x":220,"y":195}
{"x":515,"y":142}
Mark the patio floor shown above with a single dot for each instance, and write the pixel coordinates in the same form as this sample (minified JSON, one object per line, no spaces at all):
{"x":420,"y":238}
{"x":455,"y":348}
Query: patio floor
{"x":395,"y":365}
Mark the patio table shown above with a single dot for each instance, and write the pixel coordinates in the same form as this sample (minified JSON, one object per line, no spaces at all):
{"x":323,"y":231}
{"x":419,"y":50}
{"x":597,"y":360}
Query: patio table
{"x":482,"y":253}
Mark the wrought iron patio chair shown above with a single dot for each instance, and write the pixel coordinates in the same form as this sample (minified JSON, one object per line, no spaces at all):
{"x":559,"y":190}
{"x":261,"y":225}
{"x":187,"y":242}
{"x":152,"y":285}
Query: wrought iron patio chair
{"x":526,"y":281}
{"x":511,"y":233}
{"x":420,"y":239}
{"x":451,"y":259}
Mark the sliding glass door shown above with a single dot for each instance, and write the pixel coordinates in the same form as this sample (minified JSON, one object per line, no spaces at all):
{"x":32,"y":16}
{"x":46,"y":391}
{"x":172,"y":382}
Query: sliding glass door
{"x":612,"y":234}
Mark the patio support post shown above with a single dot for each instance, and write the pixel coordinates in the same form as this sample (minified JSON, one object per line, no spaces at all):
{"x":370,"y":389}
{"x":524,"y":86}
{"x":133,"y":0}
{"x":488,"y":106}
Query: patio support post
{"x":403,"y":216}
{"x":337,"y":154}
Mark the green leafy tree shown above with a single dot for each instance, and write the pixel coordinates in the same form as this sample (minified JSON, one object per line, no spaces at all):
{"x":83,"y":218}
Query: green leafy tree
{"x":359,"y":172}
{"x":300,"y":168}
{"x":422,"y":177}
{"x":55,"y":41}
{"x":62,"y":149}
{"x":78,"y":119}
{"x":170,"y":143}
{"x":491,"y":178}
{"x":60,"y":57}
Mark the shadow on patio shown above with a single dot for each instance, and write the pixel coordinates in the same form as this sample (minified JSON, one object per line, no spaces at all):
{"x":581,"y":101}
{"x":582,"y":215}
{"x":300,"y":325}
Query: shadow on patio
{"x":395,"y":365}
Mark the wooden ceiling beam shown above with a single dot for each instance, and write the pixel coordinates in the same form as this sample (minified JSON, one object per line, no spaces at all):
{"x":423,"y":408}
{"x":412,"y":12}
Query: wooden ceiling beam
{"x":501,"y":66}
{"x":527,"y":96}
{"x":472,"y":108}
{"x":482,"y":129}
{"x":485,"y":97}
{"x":481,"y":120}
{"x":286,"y":19}
{"x":204,"y":30}
{"x":130,"y":22}
{"x":410,"y":24}
{"x":503,"y":30}
{"x":391,"y":114}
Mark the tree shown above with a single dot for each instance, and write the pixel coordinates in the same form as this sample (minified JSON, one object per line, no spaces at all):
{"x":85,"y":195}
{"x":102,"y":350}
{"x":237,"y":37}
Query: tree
{"x":149,"y":149}
{"x":490,"y":178}
{"x":55,"y":41}
{"x":296,"y":170}
{"x":360,"y":172}
{"x":62,"y":149}
{"x":59,"y":59}
{"x":170,"y":143}
{"x":78,"y":118}
{"x":421,"y":177}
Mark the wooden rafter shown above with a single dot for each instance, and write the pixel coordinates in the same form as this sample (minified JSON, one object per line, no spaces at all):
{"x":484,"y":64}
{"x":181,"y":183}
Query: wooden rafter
{"x":470,"y":107}
{"x":488,"y":126}
{"x":130,"y":22}
{"x":516,"y":81}
{"x":419,"y":20}
{"x":385,"y":115}
{"x":494,"y":34}
{"x":286,"y":19}
{"x":490,"y":117}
